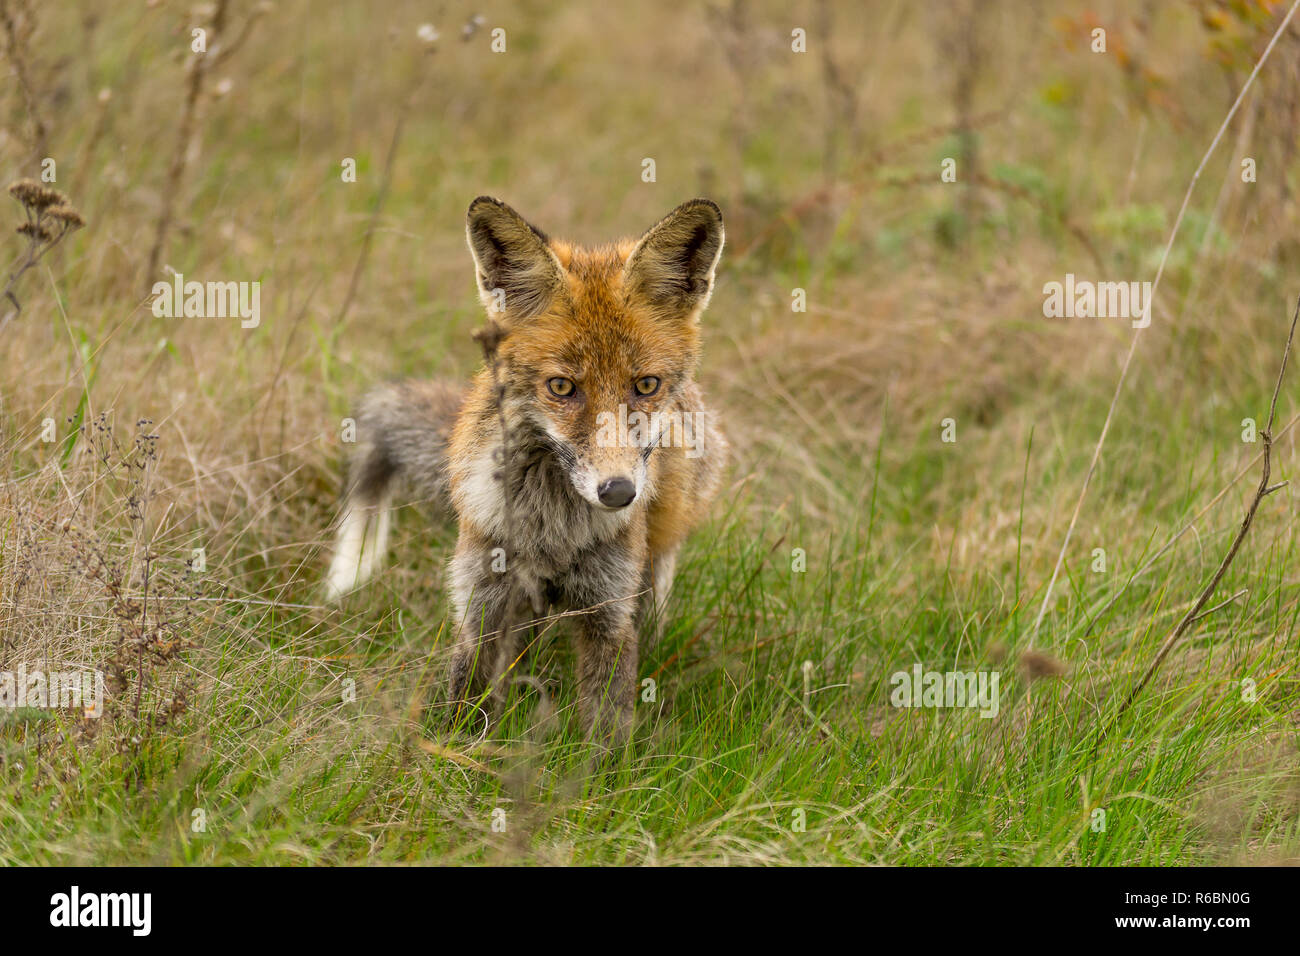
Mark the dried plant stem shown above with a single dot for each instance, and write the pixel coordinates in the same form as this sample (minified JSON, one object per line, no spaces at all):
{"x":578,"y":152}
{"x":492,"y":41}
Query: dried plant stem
{"x":34,"y":253}
{"x":200,"y":65}
{"x":489,"y":338}
{"x":185,"y":135}
{"x":359,"y":269}
{"x":96,"y":135}
{"x":841,"y":96}
{"x":28,"y":259}
{"x":1265,"y":489}
{"x":14,"y":50}
{"x":964,"y":47}
{"x":1177,"y":535}
{"x":408,"y":102}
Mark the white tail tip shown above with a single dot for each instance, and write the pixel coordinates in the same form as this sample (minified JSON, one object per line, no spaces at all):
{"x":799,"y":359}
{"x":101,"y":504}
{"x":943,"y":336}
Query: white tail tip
{"x":362,"y":542}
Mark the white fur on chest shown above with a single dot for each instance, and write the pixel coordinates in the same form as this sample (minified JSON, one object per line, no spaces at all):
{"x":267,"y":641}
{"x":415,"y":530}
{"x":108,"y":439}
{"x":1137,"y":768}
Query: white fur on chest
{"x":560,"y":515}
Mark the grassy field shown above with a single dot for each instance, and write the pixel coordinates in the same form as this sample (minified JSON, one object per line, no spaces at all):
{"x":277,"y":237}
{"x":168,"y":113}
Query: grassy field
{"x":249,"y":722}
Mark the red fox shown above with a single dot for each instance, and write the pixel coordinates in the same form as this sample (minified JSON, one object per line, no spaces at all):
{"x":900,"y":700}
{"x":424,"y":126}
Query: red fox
{"x":609,"y":460}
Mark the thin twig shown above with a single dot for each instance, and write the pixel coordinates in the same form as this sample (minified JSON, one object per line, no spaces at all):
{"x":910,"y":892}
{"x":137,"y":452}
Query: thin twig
{"x":1265,"y":489}
{"x":404,"y":110}
{"x":1177,"y":535}
{"x":360,"y":267}
{"x":14,"y":48}
{"x":489,"y":338}
{"x":1222,"y":604}
{"x":200,"y":65}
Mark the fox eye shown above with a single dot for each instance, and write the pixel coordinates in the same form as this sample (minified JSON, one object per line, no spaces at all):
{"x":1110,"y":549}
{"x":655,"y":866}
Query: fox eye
{"x":560,"y":387}
{"x":647,"y":385}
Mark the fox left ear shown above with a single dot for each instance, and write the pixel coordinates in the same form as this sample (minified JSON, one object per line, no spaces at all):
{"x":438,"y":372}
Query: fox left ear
{"x":672,"y":265}
{"x":517,"y":272}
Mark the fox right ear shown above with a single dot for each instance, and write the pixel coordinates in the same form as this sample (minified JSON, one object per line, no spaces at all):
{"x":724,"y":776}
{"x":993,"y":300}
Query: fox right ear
{"x":672,"y":265}
{"x":517,"y":272}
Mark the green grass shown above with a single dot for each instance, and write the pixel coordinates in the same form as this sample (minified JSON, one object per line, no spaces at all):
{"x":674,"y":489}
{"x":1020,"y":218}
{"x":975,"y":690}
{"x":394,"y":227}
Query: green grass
{"x":730,"y":756}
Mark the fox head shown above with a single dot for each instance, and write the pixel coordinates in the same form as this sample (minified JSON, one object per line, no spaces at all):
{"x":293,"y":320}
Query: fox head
{"x":600,"y":344}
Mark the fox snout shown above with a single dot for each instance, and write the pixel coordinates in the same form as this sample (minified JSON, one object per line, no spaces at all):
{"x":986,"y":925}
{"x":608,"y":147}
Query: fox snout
{"x":616,"y":492}
{"x":608,"y":479}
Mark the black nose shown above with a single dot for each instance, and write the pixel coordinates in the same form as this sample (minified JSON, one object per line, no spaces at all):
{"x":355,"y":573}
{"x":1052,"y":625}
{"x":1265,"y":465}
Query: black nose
{"x":616,"y":492}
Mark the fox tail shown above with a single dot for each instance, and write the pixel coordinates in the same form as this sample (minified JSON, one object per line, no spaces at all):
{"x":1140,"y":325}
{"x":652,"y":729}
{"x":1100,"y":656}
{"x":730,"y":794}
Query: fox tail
{"x":402,"y":430}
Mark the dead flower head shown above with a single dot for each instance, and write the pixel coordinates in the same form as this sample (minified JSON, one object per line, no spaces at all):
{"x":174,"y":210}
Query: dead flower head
{"x":36,"y":231}
{"x":66,"y":214}
{"x":35,"y":196}
{"x":50,"y":214}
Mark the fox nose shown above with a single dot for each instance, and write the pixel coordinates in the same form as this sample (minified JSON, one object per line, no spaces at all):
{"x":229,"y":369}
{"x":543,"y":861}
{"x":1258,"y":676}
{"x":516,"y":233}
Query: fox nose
{"x":616,"y":492}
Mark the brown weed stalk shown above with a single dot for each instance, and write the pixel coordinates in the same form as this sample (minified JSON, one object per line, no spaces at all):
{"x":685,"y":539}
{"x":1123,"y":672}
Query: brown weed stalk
{"x":429,"y":40}
{"x":198,"y":67}
{"x":1195,"y":613}
{"x":105,"y":594}
{"x":16,"y":27}
{"x":489,"y":339}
